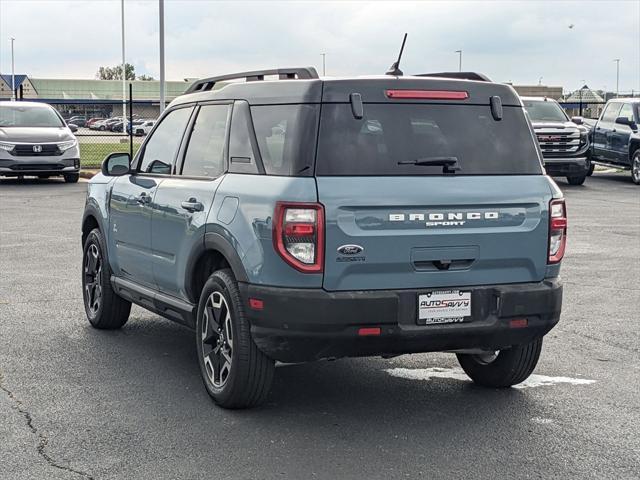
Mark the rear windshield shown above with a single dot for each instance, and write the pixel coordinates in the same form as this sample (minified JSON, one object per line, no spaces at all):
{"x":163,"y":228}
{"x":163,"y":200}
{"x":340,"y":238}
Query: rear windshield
{"x":28,"y":116}
{"x":541,"y":111}
{"x":394,"y":139}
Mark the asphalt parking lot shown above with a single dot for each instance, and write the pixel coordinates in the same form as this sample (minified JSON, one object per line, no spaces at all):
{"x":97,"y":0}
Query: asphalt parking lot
{"x":80,"y":403}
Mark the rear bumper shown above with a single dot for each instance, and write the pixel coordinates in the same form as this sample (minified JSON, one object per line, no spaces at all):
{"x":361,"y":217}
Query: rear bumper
{"x":308,"y":324}
{"x":560,"y":167}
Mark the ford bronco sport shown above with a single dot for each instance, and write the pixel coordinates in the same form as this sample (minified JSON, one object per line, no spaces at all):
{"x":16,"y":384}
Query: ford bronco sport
{"x":303,"y":218}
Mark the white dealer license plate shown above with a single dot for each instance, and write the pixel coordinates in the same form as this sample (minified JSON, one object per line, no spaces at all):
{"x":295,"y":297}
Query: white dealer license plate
{"x":444,"y":306}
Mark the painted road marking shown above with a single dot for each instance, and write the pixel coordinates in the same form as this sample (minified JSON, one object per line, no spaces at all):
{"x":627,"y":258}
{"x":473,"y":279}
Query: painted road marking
{"x":533,"y":381}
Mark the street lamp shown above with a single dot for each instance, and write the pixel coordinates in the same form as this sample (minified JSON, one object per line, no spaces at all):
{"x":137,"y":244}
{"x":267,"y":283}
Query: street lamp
{"x":459,"y":52}
{"x":124,"y":74}
{"x":13,"y":73}
{"x":324,"y":64}
{"x":162,"y":81}
{"x":617,"y":60}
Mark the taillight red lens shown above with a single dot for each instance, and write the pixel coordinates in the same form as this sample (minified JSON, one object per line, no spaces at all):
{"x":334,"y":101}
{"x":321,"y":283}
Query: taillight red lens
{"x":557,"y":230}
{"x":298,"y":235}
{"x":428,"y":94}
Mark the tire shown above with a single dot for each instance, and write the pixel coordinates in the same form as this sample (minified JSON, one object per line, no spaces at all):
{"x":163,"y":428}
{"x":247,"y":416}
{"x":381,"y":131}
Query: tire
{"x":592,"y":166}
{"x":635,"y":167}
{"x":508,"y":368}
{"x":245,"y":380}
{"x":104,"y":308}
{"x":576,"y":180}
{"x":71,"y":177}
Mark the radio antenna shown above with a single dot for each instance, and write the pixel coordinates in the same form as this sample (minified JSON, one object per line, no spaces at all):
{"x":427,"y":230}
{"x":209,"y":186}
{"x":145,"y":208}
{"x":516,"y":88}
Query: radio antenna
{"x":395,"y":67}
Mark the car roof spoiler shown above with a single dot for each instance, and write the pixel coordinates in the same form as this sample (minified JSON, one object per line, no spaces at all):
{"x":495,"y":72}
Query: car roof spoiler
{"x":459,"y":75}
{"x":298,"y":73}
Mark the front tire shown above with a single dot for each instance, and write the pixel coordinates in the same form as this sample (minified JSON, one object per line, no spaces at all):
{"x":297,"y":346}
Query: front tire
{"x":235,"y":373}
{"x":104,"y":308}
{"x":576,"y":180}
{"x":504,"y":368}
{"x":635,"y":167}
{"x":71,"y":177}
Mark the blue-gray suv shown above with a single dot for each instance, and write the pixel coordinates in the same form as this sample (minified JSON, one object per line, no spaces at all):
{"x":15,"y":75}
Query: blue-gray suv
{"x":293,"y":218}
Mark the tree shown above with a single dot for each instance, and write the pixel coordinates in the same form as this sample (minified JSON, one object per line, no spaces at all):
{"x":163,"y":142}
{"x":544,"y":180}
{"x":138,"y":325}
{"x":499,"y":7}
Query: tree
{"x":145,"y":78}
{"x":115,"y":73}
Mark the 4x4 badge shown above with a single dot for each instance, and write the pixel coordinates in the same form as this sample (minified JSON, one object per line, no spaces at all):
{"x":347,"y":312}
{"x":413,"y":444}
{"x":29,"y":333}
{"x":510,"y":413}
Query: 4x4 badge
{"x":350,"y":249}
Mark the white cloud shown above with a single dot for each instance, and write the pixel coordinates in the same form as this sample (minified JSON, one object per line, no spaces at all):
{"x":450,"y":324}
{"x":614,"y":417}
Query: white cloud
{"x":509,"y":41}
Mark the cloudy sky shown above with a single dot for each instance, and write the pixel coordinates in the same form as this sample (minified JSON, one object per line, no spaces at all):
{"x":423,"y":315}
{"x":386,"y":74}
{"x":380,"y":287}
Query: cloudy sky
{"x":509,"y":41}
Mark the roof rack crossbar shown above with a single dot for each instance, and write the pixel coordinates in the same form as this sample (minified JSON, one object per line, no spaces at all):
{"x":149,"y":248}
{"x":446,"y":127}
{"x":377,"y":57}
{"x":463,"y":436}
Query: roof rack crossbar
{"x":459,"y":75}
{"x":300,"y":73}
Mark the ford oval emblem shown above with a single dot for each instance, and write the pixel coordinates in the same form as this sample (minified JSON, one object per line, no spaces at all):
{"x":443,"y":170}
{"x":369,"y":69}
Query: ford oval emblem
{"x":350,"y":249}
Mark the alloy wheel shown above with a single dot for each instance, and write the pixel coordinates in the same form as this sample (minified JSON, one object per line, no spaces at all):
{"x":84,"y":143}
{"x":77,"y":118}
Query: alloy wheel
{"x":635,"y":169}
{"x":217,"y":339}
{"x":93,"y":278}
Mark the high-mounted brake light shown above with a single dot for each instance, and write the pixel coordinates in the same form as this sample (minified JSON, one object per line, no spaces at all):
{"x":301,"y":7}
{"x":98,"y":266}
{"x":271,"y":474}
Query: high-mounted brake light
{"x":428,"y":94}
{"x":557,"y":230}
{"x":298,"y":235}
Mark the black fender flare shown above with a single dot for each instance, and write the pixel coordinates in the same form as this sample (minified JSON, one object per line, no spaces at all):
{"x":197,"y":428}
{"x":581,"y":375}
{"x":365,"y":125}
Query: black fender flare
{"x":214,"y":241}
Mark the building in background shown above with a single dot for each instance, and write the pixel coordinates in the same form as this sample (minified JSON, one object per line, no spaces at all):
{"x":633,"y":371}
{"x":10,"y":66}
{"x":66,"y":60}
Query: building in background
{"x":584,"y":102}
{"x":92,"y":98}
{"x":539,"y":91}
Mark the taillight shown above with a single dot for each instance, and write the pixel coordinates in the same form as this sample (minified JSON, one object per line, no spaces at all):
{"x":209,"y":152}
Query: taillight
{"x":557,"y":230}
{"x":298,"y":235}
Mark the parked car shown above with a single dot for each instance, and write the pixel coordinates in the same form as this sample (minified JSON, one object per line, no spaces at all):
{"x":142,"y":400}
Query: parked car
{"x":615,"y":138}
{"x":144,"y":127}
{"x":102,"y":124}
{"x":323,"y":218}
{"x":564,"y":142}
{"x":91,"y":121}
{"x":36,"y":141}
{"x":79,"y":121}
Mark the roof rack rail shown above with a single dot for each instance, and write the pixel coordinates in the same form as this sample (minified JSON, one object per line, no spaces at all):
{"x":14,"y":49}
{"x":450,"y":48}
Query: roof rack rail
{"x":460,"y":75}
{"x":300,"y":73}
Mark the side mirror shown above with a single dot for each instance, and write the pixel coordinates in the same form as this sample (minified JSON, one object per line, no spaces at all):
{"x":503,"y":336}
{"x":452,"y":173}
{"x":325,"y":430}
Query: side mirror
{"x":116,"y":164}
{"x":577,"y":120}
{"x":73,"y":127}
{"x":624,"y":121}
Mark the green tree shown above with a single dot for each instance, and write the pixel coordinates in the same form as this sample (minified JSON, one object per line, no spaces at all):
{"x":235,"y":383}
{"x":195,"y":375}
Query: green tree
{"x":115,"y":73}
{"x":145,"y":78}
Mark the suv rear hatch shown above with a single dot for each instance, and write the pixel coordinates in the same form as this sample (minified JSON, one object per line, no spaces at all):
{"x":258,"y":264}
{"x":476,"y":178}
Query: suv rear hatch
{"x":479,"y":216}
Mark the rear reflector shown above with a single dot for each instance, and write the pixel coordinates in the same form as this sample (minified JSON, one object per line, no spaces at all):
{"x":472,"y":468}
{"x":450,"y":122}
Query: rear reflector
{"x":518,"y":323}
{"x":369,"y":331}
{"x":256,"y":304}
{"x":428,"y":94}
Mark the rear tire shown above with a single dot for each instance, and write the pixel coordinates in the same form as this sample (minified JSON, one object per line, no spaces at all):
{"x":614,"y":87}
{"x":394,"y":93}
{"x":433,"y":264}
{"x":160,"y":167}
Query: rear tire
{"x":104,"y":308}
{"x":71,"y":177}
{"x":592,"y":167}
{"x":576,"y":180}
{"x":235,"y":373}
{"x":508,"y":368}
{"x":635,"y":167}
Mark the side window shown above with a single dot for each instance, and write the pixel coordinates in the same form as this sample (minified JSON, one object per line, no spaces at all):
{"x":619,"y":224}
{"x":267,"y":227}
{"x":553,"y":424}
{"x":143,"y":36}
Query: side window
{"x":241,"y":154}
{"x":626,"y":111}
{"x":160,"y":151}
{"x":611,"y":112}
{"x":205,"y":152}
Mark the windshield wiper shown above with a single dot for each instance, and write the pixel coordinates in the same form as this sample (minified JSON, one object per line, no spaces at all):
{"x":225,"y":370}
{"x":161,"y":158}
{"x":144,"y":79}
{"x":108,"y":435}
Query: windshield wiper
{"x":449,"y":164}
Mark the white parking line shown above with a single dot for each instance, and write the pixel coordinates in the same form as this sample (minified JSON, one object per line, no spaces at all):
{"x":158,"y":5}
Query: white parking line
{"x":425,"y":374}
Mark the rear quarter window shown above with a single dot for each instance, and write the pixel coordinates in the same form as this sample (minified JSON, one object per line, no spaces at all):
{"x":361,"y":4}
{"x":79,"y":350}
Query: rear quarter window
{"x":391,"y":135}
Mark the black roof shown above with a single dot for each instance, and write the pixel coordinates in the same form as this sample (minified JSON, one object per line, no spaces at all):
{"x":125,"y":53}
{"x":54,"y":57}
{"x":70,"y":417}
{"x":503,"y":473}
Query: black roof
{"x":302,"y":85}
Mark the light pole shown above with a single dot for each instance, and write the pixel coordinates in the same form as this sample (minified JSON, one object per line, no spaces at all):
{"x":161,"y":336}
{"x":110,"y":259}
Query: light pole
{"x":13,"y":73}
{"x":324,"y":64}
{"x":459,"y":52}
{"x":540,"y":80}
{"x":124,"y":74}
{"x":162,"y":86}
{"x":617,"y":60}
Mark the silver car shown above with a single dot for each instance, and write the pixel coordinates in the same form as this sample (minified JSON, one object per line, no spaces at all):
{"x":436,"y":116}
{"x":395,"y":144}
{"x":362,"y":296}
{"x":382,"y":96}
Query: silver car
{"x":35,"y":141}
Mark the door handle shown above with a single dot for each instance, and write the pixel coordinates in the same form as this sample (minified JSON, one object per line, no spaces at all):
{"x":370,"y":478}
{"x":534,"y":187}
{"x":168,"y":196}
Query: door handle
{"x":192,"y":205}
{"x":613,"y":131}
{"x":143,"y":199}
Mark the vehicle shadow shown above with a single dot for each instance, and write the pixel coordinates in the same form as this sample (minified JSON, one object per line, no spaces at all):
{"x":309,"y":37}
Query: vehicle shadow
{"x":31,"y":181}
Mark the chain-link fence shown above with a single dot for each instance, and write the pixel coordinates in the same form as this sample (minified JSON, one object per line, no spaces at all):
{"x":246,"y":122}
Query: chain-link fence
{"x":101,"y":129}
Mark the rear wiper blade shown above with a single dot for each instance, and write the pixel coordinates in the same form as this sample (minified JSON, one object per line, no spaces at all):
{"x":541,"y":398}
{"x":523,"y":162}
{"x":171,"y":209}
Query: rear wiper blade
{"x":450,"y":164}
